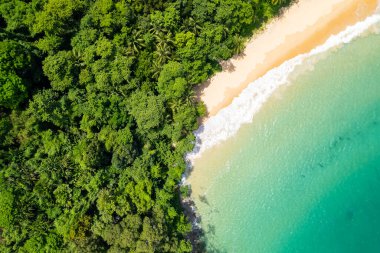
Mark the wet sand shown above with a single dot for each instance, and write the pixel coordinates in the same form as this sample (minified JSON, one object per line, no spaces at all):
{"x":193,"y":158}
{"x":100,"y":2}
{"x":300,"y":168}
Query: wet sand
{"x":301,"y":28}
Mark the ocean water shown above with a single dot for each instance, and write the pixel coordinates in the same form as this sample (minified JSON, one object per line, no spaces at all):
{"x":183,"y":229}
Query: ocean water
{"x":303,"y":173}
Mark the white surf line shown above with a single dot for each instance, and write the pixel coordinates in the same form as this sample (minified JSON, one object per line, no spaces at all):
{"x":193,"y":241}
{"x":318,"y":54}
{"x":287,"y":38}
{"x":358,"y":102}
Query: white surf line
{"x":228,"y":121}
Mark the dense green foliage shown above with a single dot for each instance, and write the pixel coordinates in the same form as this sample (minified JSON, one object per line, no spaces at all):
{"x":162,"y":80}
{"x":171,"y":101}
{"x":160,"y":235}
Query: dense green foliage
{"x":97,"y":111}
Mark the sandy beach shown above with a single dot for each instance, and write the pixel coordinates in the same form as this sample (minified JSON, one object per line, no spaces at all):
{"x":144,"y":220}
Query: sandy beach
{"x":301,"y":28}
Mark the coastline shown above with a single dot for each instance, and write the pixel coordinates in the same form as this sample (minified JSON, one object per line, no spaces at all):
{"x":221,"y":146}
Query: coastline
{"x":304,"y":25}
{"x":221,"y":90}
{"x":289,"y":146}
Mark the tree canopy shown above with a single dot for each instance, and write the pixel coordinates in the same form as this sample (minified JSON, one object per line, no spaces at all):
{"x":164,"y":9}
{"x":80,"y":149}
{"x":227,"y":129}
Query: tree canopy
{"x":97,"y":110}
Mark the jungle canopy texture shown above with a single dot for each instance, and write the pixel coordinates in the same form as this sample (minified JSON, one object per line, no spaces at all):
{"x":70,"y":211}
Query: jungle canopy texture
{"x":97,"y":109}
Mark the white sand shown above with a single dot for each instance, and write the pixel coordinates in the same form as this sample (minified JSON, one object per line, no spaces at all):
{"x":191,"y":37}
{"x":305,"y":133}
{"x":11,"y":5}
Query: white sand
{"x":303,"y":26}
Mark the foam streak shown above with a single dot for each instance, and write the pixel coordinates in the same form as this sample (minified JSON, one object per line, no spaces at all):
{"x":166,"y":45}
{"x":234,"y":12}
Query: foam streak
{"x":243,"y":108}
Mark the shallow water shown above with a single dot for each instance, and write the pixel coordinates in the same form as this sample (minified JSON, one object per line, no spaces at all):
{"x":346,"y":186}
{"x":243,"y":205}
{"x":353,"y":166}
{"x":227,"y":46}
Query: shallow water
{"x":304,"y":176}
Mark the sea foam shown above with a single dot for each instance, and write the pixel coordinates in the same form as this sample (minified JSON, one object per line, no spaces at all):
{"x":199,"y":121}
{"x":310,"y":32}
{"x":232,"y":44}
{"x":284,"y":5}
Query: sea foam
{"x":227,"y":121}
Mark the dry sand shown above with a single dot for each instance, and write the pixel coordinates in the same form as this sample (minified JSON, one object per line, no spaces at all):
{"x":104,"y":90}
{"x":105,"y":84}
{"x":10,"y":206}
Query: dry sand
{"x":303,"y":26}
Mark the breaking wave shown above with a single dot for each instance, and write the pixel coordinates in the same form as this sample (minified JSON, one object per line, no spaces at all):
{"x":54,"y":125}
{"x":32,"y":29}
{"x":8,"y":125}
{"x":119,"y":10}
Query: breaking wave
{"x":242,"y":110}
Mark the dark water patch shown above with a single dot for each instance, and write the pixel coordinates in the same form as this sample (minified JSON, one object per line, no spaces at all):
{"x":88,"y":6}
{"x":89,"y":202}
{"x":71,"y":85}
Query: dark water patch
{"x":203,"y":199}
{"x":316,"y":188}
{"x":349,"y":215}
{"x":210,"y":229}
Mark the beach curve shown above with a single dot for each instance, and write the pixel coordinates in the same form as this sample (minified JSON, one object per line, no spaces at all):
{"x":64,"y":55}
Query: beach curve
{"x":226,"y":122}
{"x":304,"y":26}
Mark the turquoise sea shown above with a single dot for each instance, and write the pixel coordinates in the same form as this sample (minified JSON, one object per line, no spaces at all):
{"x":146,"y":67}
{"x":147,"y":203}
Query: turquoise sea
{"x":304,"y":175}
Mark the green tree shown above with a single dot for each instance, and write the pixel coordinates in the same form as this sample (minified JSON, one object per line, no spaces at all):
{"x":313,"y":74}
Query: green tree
{"x":97,"y":110}
{"x":57,"y":17}
{"x":15,"y":62}
{"x":61,"y":70}
{"x":172,"y":82}
{"x":12,"y":90}
{"x":147,"y":110}
{"x":6,"y":208}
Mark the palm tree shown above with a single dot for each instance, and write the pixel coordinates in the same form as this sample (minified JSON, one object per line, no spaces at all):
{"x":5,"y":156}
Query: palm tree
{"x":239,"y":44}
{"x":191,"y":97}
{"x":164,"y":38}
{"x":225,"y":32}
{"x":156,"y":69}
{"x":155,"y":30}
{"x":136,"y":42}
{"x":175,"y":105}
{"x":164,"y":45}
{"x":163,"y":52}
{"x":277,"y":2}
{"x":191,"y":25}
{"x":77,"y":54}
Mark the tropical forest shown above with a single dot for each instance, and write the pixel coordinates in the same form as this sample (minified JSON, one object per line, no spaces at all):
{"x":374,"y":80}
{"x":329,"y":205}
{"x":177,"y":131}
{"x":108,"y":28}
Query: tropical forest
{"x":98,"y":105}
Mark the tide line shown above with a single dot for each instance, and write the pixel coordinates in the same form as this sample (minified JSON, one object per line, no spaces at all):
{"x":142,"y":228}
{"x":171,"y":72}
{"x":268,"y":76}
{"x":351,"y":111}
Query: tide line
{"x":243,"y":108}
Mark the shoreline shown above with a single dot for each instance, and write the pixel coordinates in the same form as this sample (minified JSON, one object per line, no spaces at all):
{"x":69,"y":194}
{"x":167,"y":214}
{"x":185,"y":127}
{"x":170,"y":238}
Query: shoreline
{"x":229,"y":91}
{"x":284,"y":38}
